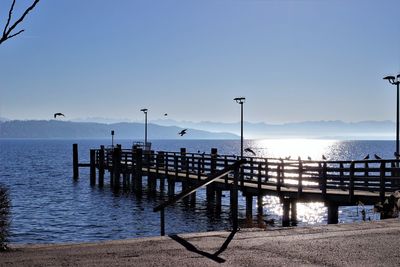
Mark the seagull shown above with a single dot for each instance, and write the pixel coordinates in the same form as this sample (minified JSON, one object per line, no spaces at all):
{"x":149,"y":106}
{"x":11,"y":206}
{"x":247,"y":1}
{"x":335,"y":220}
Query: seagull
{"x":58,"y":114}
{"x":249,"y":150}
{"x":183,"y":132}
{"x":323,"y":157}
{"x":309,"y":158}
{"x":367,"y":156}
{"x":165,"y":114}
{"x":377,"y":157}
{"x":287,"y":158}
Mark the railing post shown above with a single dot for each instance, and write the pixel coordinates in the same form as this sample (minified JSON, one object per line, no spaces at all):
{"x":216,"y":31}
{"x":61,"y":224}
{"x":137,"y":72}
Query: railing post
{"x":341,"y":175}
{"x":184,"y":165}
{"x":324,"y":178}
{"x":351,"y":183}
{"x":138,"y":170}
{"x":117,"y":166}
{"x":234,"y":200}
{"x":382,"y":182}
{"x":300,"y":182}
{"x":75,"y":161}
{"x":278,"y":178}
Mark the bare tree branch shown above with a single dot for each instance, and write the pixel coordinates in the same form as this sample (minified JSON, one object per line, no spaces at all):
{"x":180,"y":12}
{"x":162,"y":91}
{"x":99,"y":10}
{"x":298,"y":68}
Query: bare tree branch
{"x":9,"y":17}
{"x":7,"y":30}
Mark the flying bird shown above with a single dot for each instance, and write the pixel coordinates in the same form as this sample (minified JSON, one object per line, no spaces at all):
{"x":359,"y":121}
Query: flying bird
{"x":58,"y":114}
{"x":249,"y":150}
{"x":183,"y":132}
{"x":367,"y":156}
{"x":165,"y":114}
{"x":377,"y":157}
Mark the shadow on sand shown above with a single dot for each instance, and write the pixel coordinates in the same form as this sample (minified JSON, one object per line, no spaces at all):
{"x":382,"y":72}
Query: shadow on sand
{"x":215,"y":257}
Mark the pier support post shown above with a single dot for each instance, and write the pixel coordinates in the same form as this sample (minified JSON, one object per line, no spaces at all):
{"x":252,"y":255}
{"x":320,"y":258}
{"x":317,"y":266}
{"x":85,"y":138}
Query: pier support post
{"x":218,"y":200}
{"x":260,"y":206}
{"x":75,"y":161}
{"x":286,"y":211}
{"x":101,"y":166}
{"x":210,"y":189}
{"x":138,"y":155}
{"x":92,"y":167}
{"x":249,"y":208}
{"x":293,"y":211}
{"x":234,"y":200}
{"x":116,"y":167}
{"x":333,"y":213}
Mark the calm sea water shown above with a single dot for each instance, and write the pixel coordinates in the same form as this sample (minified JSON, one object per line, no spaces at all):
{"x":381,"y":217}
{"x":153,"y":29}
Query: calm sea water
{"x":49,"y":207}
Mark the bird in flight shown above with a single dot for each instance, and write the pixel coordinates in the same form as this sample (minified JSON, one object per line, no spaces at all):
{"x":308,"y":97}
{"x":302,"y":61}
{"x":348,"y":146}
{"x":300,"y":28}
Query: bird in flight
{"x":183,"y":132}
{"x":165,"y":114}
{"x":58,"y":114}
{"x":249,"y":150}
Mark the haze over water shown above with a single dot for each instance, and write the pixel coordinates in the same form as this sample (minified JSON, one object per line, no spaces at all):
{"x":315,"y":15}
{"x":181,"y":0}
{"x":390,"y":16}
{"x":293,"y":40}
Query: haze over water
{"x":49,"y":207}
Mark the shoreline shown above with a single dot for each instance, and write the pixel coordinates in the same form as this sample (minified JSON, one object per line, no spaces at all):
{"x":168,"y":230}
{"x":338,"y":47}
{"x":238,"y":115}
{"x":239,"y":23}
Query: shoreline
{"x":366,"y":243}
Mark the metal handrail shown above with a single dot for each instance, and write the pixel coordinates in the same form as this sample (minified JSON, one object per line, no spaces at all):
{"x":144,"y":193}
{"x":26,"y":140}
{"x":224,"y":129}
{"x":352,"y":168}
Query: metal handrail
{"x":219,"y":174}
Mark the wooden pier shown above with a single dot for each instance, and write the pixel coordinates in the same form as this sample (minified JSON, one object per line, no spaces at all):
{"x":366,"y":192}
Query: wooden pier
{"x":335,"y":183}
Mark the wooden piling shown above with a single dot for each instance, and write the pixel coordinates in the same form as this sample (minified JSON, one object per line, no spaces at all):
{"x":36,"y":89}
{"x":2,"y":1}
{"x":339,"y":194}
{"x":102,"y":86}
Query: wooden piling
{"x":117,"y":167}
{"x":333,"y":213}
{"x":293,"y":211}
{"x":101,"y":166}
{"x":249,"y":207}
{"x":210,"y":189}
{"x":138,"y":170}
{"x":286,"y":212}
{"x":92,"y":167}
{"x":75,"y":161}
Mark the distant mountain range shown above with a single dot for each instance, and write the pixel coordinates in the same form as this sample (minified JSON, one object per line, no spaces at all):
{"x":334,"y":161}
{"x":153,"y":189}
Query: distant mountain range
{"x":68,"y":129}
{"x":168,"y":129}
{"x":308,"y":129}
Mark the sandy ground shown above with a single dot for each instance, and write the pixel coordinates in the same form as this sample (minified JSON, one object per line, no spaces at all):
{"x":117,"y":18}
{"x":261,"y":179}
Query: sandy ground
{"x":361,"y":244}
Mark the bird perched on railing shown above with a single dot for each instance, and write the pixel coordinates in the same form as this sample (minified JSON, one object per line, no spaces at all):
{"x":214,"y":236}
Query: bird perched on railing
{"x":288,"y":158}
{"x":58,"y":114}
{"x":309,"y":158}
{"x":367,"y":156}
{"x":323,"y":157}
{"x":377,"y":157}
{"x":183,"y":132}
{"x":249,"y":150}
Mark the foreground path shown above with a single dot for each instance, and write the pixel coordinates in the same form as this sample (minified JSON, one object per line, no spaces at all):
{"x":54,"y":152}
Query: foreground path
{"x":368,"y":244}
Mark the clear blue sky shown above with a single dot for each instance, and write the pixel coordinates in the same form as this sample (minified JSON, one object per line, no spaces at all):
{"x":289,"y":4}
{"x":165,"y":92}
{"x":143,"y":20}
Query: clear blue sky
{"x":292,"y":60}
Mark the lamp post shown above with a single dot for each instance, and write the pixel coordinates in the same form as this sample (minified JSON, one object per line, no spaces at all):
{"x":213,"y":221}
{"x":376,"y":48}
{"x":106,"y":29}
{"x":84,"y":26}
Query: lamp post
{"x":144,"y":110}
{"x":396,"y":81}
{"x":241,"y":100}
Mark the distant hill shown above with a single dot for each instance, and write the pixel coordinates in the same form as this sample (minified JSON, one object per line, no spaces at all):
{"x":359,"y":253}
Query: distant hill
{"x":68,"y":129}
{"x":307,"y":129}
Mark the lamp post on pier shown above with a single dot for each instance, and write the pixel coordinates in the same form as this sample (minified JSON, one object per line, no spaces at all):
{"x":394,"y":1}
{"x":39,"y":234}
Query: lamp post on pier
{"x":396,"y":81}
{"x":241,"y":100}
{"x":144,"y":110}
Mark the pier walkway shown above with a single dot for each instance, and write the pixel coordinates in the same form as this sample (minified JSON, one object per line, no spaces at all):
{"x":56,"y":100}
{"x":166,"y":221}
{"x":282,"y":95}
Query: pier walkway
{"x":336,"y":183}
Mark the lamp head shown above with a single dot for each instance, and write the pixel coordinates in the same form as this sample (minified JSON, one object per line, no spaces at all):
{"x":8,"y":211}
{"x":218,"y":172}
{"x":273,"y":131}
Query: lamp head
{"x":390,"y":79}
{"x":144,"y":110}
{"x":240,"y":100}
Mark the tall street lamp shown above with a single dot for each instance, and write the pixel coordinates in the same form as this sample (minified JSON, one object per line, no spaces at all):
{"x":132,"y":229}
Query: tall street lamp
{"x":144,"y":110}
{"x":396,"y":81}
{"x":241,"y":100}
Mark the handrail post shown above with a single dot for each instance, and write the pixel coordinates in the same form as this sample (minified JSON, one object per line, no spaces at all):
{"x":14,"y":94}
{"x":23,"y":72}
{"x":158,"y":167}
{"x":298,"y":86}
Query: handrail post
{"x":300,"y":182}
{"x":92,"y":167}
{"x":234,"y":203}
{"x":351,"y":184}
{"x":382,"y":182}
{"x":324,"y":178}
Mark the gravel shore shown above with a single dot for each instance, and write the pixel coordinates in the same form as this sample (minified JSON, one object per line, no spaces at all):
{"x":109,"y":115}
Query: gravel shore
{"x":367,"y":244}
